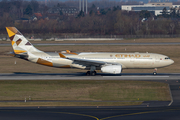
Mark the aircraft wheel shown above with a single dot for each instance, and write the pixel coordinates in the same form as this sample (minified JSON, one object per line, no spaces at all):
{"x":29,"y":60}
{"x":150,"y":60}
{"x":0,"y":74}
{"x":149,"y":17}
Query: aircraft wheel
{"x":88,"y":73}
{"x":154,"y":73}
{"x":93,"y":73}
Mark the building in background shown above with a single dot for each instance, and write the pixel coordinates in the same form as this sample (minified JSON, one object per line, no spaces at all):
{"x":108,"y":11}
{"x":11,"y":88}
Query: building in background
{"x":154,"y":7}
{"x":161,"y":4}
{"x":64,"y":10}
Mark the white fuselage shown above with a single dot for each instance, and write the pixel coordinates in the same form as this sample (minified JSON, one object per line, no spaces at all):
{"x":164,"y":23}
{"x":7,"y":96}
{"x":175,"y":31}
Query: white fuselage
{"x":127,"y":60}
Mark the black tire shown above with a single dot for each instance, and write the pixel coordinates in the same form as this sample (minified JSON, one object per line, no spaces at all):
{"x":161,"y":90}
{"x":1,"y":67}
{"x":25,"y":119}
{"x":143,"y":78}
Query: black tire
{"x":154,"y":73}
{"x":88,"y":73}
{"x":93,"y":73}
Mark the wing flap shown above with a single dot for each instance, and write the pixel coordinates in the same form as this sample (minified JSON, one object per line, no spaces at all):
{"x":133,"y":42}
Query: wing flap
{"x":87,"y":62}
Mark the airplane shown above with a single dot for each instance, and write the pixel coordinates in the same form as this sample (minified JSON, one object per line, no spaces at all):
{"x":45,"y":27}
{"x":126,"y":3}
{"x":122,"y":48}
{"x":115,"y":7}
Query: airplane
{"x":107,"y":62}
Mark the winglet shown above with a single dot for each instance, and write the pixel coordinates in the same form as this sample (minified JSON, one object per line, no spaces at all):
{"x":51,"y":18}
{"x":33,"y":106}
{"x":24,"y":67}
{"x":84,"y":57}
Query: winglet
{"x":61,"y":55}
{"x":68,"y":51}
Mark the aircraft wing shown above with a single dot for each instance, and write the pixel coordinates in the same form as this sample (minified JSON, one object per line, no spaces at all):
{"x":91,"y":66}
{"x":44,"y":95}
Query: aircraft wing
{"x":87,"y":62}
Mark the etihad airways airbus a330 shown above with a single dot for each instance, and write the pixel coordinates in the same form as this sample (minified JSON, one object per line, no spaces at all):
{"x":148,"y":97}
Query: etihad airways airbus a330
{"x":106,"y":62}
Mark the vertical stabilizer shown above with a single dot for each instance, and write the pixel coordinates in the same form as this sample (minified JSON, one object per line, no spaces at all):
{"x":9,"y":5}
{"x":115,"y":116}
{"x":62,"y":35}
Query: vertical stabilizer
{"x":19,"y":43}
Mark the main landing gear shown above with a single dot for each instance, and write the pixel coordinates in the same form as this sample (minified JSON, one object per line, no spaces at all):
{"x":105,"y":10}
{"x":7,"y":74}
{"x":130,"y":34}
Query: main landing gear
{"x":91,"y":73}
{"x":155,"y":71}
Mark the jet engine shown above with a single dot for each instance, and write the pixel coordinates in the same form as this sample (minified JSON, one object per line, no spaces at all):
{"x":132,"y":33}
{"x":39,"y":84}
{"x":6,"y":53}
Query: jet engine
{"x":114,"y":69}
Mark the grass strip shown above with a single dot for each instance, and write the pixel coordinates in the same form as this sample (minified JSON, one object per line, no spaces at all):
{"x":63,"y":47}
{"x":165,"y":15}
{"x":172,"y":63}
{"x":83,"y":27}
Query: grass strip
{"x":109,"y":90}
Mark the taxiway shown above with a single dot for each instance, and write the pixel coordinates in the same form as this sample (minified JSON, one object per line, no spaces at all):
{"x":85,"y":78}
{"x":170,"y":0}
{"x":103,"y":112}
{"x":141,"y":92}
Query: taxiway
{"x":50,"y":113}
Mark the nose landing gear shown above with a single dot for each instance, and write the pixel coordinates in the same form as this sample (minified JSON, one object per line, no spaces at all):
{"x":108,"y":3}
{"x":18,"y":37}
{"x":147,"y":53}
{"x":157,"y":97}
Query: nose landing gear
{"x":155,"y":71}
{"x":92,"y":71}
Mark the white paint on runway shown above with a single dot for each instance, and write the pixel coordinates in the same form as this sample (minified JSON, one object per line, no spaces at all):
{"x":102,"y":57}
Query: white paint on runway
{"x":81,"y":76}
{"x":137,"y":76}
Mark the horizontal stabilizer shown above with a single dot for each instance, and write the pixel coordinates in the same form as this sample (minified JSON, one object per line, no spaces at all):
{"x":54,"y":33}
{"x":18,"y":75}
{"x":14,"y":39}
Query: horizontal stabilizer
{"x":61,"y":55}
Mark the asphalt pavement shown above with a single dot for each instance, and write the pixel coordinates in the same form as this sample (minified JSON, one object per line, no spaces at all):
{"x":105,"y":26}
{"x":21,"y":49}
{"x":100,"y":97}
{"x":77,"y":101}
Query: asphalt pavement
{"x":87,"y":113}
{"x":82,"y":76}
{"x":59,"y":44}
{"x":148,"y":110}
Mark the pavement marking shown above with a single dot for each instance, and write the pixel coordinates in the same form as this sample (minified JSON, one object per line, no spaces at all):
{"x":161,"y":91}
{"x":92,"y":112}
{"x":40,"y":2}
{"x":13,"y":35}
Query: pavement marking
{"x":138,"y":113}
{"x":78,"y":114}
{"x":63,"y":113}
{"x":136,"y":76}
{"x":170,"y":95}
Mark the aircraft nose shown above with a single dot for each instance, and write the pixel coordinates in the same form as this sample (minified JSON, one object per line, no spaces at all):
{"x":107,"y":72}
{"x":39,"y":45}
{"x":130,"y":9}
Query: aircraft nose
{"x":171,"y":61}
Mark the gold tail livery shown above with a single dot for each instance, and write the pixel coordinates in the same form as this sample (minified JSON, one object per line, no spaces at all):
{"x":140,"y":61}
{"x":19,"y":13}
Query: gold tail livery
{"x":105,"y":61}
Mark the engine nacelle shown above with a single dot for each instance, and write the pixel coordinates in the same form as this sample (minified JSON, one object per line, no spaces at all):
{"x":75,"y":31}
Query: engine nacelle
{"x":114,"y":69}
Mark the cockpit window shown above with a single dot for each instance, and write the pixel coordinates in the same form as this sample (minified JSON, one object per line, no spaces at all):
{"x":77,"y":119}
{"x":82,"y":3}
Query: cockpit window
{"x":167,"y":58}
